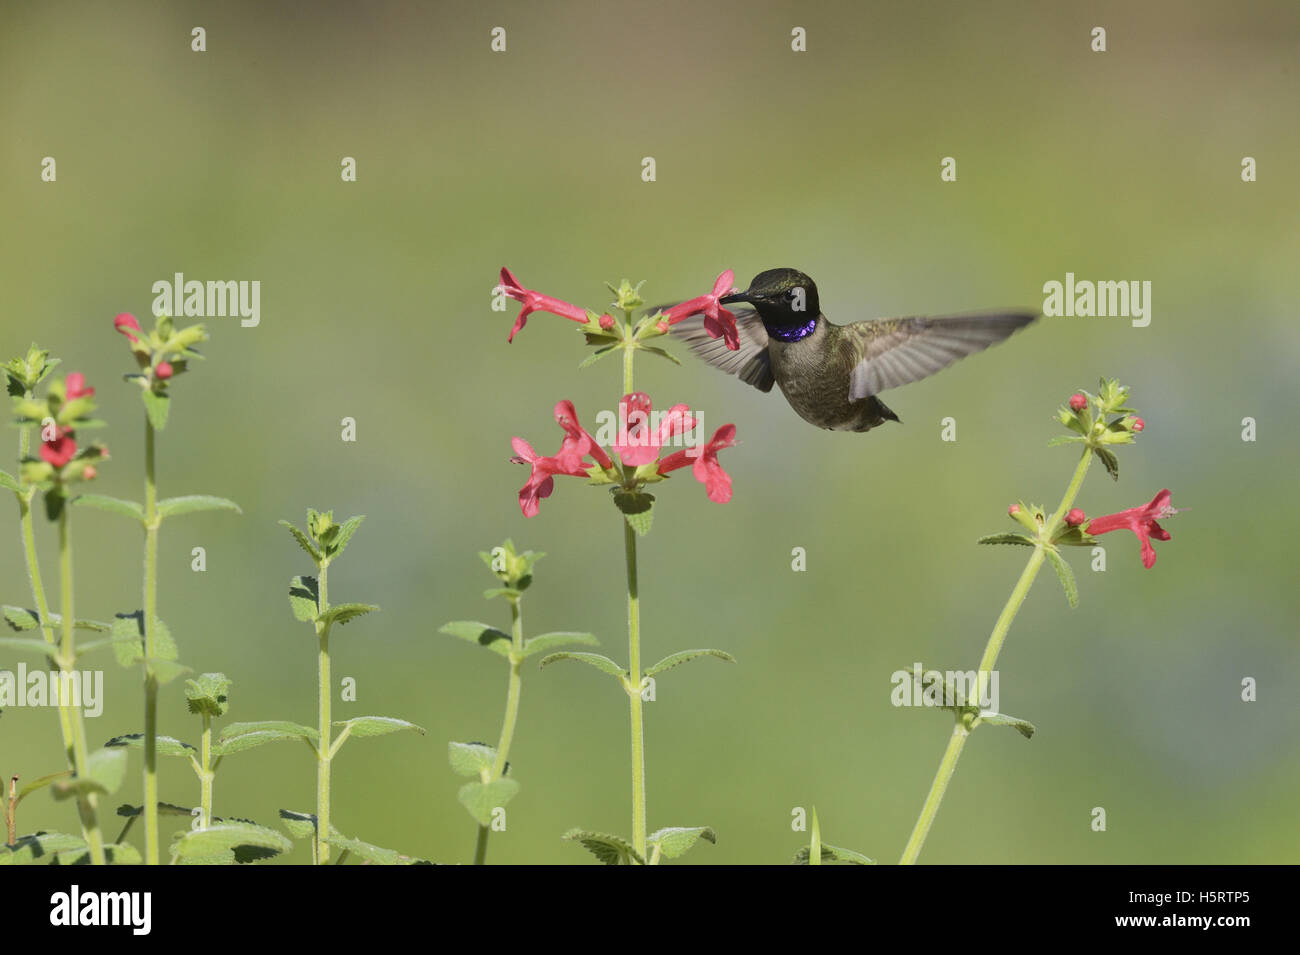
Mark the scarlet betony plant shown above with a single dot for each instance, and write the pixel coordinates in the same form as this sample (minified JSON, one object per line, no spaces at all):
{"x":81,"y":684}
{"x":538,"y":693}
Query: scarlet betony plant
{"x":627,"y":465}
{"x":1099,"y":423}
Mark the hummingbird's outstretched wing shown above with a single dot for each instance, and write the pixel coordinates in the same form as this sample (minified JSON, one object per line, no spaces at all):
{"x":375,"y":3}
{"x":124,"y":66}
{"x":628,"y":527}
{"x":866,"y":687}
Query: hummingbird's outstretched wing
{"x":896,"y":351}
{"x":749,"y":362}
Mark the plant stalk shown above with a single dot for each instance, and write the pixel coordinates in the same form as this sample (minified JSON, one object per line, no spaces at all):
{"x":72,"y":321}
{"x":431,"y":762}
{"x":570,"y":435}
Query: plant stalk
{"x":151,"y":837}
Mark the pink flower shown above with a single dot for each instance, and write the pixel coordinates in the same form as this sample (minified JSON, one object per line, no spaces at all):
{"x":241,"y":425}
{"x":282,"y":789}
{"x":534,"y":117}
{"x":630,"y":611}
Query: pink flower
{"x":1141,"y":521}
{"x":61,"y":450}
{"x":540,"y":482}
{"x":1078,"y":402}
{"x":164,"y":370}
{"x":577,"y":442}
{"x":76,"y":386}
{"x":706,"y":468}
{"x":1075,"y":517}
{"x":718,"y":322}
{"x":127,"y":325}
{"x":638,"y":441}
{"x":1138,"y":424}
{"x":536,"y":302}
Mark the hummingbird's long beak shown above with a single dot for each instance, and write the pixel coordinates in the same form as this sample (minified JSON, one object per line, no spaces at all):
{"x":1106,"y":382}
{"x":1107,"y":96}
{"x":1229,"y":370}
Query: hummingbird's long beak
{"x":734,"y":297}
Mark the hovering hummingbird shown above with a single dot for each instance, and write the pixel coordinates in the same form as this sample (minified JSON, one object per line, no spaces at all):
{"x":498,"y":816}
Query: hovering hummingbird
{"x":830,"y":374}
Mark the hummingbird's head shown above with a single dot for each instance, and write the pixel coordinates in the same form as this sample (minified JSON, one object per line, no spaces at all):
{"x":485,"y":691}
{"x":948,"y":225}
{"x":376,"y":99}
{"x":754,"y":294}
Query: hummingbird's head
{"x":783,"y":298}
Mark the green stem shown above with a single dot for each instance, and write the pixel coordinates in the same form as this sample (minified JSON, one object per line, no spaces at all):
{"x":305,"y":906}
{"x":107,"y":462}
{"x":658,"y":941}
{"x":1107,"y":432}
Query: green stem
{"x":68,"y":654}
{"x":513,"y":692}
{"x":323,"y":755}
{"x":27,"y":525}
{"x":966,"y":720}
{"x":151,"y":840}
{"x":634,"y":694}
{"x":628,"y":350}
{"x":205,"y":779}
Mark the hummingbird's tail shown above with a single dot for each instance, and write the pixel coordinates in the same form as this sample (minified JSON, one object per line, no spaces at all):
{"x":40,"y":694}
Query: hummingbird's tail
{"x":875,"y":414}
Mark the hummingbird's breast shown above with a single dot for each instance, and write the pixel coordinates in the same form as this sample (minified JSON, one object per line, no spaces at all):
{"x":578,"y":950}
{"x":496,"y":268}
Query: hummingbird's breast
{"x":814,"y":373}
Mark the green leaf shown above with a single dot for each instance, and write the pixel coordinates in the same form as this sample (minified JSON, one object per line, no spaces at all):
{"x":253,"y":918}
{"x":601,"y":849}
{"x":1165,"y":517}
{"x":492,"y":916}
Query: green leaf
{"x":1023,"y":727}
{"x":638,"y":508}
{"x":597,"y":355}
{"x":128,"y":639}
{"x":678,"y":840}
{"x":226,"y":837}
{"x":301,"y":825}
{"x":676,"y":659}
{"x":304,"y":598}
{"x":192,"y":503}
{"x":500,"y":592}
{"x":207,"y":694}
{"x":167,"y":745}
{"x":1065,"y":439}
{"x":7,"y":480}
{"x":30,"y":645}
{"x":39,"y":848}
{"x":1108,"y":458}
{"x":471,"y":759}
{"x":376,"y":726}
{"x":604,"y":664}
{"x":303,"y":541}
{"x":558,"y":638}
{"x":40,"y":783}
{"x":1007,"y":538}
{"x":610,"y":850}
{"x":372,"y":854}
{"x":104,"y":771}
{"x":656,"y":350}
{"x":165,"y":670}
{"x":156,"y":405}
{"x":237,"y":737}
{"x":343,"y":614}
{"x":113,"y":505}
{"x":345,"y":532}
{"x":1066,"y":576}
{"x":21,"y":619}
{"x":834,"y":854}
{"x":481,"y":799}
{"x":480,"y":633}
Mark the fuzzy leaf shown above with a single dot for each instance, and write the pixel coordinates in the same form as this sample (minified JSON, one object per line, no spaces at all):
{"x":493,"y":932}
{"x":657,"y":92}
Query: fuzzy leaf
{"x":343,"y":614}
{"x":637,"y":508}
{"x":344,"y":534}
{"x":678,"y":840}
{"x":676,"y":659}
{"x":30,"y":645}
{"x":604,"y":664}
{"x":192,"y":503}
{"x":128,"y":639}
{"x":8,"y":481}
{"x":113,"y":505}
{"x":39,"y":848}
{"x":1023,"y":727}
{"x":1007,"y":538}
{"x":228,"y":836}
{"x":304,"y":598}
{"x":105,"y":769}
{"x":480,"y":633}
{"x":207,"y":694}
{"x":610,"y":850}
{"x":301,"y":825}
{"x":21,"y":619}
{"x":157,"y":406}
{"x":1108,"y":458}
{"x":167,"y":745}
{"x":559,"y":638}
{"x":376,"y":726}
{"x":471,"y":759}
{"x":598,"y":354}
{"x":480,"y":799}
{"x":165,"y":670}
{"x":238,"y":737}
{"x":1066,"y":576}
{"x":303,"y":541}
{"x":40,"y":783}
{"x":1065,"y":439}
{"x":834,"y":854}
{"x":656,"y":350}
{"x":372,"y":854}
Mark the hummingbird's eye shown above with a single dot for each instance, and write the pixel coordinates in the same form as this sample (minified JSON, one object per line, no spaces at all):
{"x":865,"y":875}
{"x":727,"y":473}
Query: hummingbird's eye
{"x":791,"y":294}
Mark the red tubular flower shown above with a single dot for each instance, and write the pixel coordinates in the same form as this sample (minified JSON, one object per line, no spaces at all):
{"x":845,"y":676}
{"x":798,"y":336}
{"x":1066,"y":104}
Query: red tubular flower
{"x":61,"y":450}
{"x":1141,"y":521}
{"x":577,"y":442}
{"x":704,"y":463}
{"x":540,"y":482}
{"x":718,"y":322}
{"x":536,"y":302}
{"x":127,"y":325}
{"x":76,"y":386}
{"x":638,"y":442}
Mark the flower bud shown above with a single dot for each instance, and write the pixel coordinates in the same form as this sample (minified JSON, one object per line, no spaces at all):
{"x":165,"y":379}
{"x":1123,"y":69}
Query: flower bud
{"x":163,"y":371}
{"x":607,"y":322}
{"x":1138,"y":424}
{"x":1078,"y":402}
{"x":1075,"y":517}
{"x":126,"y":324}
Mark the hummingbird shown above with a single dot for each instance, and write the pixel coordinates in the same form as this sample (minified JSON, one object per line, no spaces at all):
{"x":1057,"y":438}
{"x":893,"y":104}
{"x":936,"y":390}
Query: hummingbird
{"x":831,"y":374}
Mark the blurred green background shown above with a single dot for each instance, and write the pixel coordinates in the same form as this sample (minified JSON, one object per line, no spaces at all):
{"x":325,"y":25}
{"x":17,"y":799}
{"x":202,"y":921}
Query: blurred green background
{"x":376,"y":305}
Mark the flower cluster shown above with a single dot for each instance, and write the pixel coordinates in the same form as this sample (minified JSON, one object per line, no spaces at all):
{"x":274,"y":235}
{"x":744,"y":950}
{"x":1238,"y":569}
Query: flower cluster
{"x":65,"y":409}
{"x":637,"y":446}
{"x":161,"y":354}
